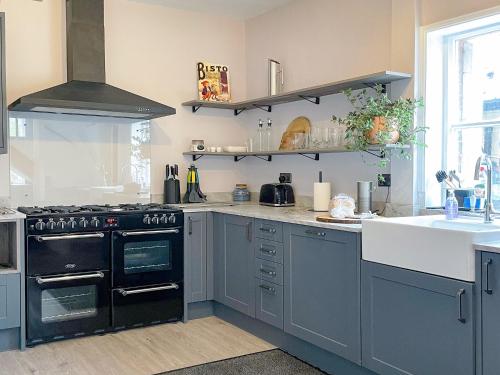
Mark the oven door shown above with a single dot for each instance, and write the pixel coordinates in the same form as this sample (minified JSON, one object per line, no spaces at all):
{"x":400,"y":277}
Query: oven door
{"x":67,"y":253}
{"x":136,"y":307}
{"x":65,"y":306}
{"x":148,"y":257}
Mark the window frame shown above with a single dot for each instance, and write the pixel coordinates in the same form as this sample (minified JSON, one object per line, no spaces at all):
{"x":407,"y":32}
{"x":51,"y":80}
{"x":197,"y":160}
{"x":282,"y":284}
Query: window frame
{"x":421,"y":174}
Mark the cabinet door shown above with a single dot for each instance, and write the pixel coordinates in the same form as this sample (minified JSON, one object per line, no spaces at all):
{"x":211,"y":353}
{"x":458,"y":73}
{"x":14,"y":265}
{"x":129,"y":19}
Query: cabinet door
{"x":415,"y":323}
{"x":234,"y":263}
{"x":3,"y":105}
{"x":269,"y":303}
{"x":195,"y":244}
{"x":10,"y":301}
{"x":490,"y":296}
{"x":322,"y":301}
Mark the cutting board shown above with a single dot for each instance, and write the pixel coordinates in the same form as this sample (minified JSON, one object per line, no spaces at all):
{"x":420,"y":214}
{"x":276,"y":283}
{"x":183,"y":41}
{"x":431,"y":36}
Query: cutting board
{"x":299,"y":125}
{"x":329,"y":219}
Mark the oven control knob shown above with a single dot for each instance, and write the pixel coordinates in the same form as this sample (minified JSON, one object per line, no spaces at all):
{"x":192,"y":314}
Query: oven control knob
{"x":146,"y":220}
{"x":171,"y":219}
{"x":40,"y":225}
{"x":155,"y":220}
{"x":51,"y":225}
{"x":95,"y":223}
{"x":164,"y":219}
{"x":72,"y":224}
{"x":61,"y":224}
{"x":83,"y":223}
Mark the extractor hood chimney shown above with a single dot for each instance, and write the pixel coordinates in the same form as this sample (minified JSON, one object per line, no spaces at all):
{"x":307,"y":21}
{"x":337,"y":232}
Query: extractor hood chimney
{"x":86,"y":92}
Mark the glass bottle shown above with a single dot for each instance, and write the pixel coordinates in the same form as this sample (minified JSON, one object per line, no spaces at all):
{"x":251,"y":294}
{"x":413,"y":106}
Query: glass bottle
{"x":260,"y":135}
{"x":269,"y":134}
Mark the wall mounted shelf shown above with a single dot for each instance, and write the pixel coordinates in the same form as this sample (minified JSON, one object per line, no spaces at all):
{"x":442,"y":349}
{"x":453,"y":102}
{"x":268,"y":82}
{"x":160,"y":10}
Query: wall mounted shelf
{"x":308,"y":153}
{"x":311,"y":94}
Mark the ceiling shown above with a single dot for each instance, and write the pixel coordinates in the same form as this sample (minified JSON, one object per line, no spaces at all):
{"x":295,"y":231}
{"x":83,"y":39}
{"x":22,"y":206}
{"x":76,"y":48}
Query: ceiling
{"x":238,"y":9}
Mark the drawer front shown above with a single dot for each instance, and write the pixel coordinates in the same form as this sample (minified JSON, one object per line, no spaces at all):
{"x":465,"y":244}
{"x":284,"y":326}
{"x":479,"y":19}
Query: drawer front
{"x":269,"y":230}
{"x":323,"y":234}
{"x":269,"y":250}
{"x":269,"y":271}
{"x":10,"y":301}
{"x":269,"y":307}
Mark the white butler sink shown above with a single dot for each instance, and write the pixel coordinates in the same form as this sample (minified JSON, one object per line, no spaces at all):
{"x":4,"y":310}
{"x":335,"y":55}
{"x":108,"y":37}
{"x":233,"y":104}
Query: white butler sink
{"x":428,"y":244}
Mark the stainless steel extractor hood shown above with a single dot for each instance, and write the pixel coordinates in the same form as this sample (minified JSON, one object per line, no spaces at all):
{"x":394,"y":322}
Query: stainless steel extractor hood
{"x":86,"y":92}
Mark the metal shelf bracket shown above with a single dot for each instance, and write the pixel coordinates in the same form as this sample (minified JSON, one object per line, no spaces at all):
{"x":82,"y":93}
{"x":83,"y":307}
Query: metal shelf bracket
{"x":196,"y":157}
{"x":237,"y":111}
{"x":378,"y":154}
{"x":311,"y":99}
{"x":239,"y":157}
{"x":311,"y":156}
{"x":265,"y":158}
{"x":266,"y":108}
{"x":196,"y":107}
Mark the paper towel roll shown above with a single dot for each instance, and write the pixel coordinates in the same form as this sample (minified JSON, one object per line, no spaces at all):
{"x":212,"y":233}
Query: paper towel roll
{"x":322,"y":195}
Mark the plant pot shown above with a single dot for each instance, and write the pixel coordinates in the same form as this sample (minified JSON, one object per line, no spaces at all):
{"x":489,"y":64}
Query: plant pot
{"x":381,"y":124}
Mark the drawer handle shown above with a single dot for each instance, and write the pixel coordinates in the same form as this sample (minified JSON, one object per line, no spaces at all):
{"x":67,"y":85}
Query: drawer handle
{"x":267,"y":251}
{"x":268,"y":230}
{"x":268,"y":289}
{"x":319,"y":234}
{"x":268,"y":272}
{"x":486,"y":275}
{"x":460,"y":293}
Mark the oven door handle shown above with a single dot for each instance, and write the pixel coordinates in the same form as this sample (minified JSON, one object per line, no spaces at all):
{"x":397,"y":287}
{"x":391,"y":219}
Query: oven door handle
{"x":125,"y":293}
{"x":43,"y":280}
{"x":69,"y":237}
{"x":146,"y":232}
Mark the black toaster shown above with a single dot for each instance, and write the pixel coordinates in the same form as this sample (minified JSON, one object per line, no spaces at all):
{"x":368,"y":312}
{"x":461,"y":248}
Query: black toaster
{"x":277,"y":195}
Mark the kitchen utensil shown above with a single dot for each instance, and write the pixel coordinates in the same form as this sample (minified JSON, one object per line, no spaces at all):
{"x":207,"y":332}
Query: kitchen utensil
{"x":329,"y":219}
{"x":453,"y":176}
{"x":365,"y":190}
{"x":171,"y":185}
{"x":443,"y":176}
{"x":235,"y":149}
{"x":298,"y":125}
{"x":275,"y":77}
{"x":193,"y":191}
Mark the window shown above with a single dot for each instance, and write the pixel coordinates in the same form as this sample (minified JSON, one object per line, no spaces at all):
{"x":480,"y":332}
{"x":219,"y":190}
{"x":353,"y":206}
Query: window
{"x":462,"y":98}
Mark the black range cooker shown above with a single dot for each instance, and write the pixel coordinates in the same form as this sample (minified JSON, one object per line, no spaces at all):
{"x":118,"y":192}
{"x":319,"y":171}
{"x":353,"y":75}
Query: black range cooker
{"x":92,"y":269}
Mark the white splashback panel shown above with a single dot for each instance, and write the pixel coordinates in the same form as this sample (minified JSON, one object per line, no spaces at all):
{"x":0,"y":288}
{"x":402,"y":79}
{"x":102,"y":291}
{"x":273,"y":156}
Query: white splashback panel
{"x":60,"y":159}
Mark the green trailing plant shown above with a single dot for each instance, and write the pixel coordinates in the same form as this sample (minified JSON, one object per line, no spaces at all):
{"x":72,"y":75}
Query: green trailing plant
{"x":398,"y":116}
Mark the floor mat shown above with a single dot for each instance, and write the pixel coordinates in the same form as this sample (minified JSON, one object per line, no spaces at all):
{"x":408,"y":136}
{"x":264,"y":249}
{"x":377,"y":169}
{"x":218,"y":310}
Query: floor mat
{"x":271,"y":362}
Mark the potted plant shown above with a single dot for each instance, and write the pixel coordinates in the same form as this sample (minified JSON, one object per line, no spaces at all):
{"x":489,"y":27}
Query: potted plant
{"x":378,"y":121}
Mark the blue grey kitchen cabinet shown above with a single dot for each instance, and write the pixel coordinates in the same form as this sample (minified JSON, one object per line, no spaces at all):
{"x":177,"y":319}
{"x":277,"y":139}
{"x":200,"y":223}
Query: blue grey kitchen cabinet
{"x":322,"y":288}
{"x":195,"y":251}
{"x":415,"y":323}
{"x":3,"y":105}
{"x":234,"y":262}
{"x":490,"y":308}
{"x":10,"y":300}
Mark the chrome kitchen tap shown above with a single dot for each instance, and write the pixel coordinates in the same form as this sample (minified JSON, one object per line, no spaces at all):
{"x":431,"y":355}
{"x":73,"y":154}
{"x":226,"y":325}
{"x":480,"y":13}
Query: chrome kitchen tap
{"x":485,"y":160}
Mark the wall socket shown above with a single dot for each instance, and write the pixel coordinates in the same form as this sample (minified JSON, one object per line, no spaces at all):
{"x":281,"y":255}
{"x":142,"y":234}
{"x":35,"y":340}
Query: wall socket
{"x":384,"y":179}
{"x":285,"y":178}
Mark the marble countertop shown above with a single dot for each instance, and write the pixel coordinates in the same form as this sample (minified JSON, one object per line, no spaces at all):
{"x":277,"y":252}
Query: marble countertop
{"x":14,"y":216}
{"x":294,"y":215}
{"x":492,"y":247}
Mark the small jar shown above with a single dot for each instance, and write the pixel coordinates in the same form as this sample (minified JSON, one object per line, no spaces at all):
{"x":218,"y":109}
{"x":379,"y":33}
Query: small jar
{"x":241,"y":193}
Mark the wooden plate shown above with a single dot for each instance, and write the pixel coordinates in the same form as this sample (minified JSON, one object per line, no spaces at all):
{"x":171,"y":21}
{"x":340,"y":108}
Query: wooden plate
{"x":329,"y":219}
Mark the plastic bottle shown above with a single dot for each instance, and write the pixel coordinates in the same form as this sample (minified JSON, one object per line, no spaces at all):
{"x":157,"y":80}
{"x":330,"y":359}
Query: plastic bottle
{"x":451,"y":206}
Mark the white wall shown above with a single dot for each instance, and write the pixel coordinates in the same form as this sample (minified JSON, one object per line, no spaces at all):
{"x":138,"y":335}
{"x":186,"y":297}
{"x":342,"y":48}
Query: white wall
{"x":152,"y":49}
{"x":321,"y":41}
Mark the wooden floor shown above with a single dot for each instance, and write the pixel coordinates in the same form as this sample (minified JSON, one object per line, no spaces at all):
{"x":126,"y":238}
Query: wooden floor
{"x":139,"y":351}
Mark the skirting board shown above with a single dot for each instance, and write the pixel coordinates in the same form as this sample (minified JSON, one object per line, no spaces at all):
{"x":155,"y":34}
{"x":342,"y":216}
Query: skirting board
{"x":326,"y":361}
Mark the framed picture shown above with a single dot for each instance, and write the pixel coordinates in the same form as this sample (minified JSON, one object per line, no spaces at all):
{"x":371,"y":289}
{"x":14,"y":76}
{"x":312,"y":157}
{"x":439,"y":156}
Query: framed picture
{"x":213,"y":82}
